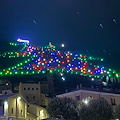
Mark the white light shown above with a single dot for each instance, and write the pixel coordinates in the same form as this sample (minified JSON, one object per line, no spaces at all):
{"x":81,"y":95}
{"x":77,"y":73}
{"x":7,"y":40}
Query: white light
{"x":92,"y":79}
{"x":61,"y":74}
{"x":86,"y":101}
{"x":41,"y":113}
{"x":62,"y":45}
{"x":89,"y":70}
{"x":18,"y":99}
{"x":63,"y":78}
{"x":7,"y":84}
{"x":20,"y":40}
{"x":5,"y":103}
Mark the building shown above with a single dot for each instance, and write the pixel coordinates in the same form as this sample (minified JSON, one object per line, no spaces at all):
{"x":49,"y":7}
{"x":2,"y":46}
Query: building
{"x":5,"y":85}
{"x":82,"y":94}
{"x":32,"y":93}
{"x":15,"y":107}
{"x":12,"y":106}
{"x":36,"y":112}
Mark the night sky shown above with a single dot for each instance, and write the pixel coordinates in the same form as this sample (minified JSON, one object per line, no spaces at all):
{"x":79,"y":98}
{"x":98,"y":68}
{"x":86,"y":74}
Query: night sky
{"x":92,"y":25}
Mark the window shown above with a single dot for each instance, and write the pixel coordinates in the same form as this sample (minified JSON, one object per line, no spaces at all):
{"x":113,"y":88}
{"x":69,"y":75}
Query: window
{"x":28,"y":88}
{"x":12,"y":111}
{"x":27,"y":98}
{"x":36,"y":88}
{"x":78,"y":97}
{"x":24,"y":88}
{"x":33,"y":98}
{"x":22,"y":112}
{"x":32,"y":88}
{"x":113,"y":101}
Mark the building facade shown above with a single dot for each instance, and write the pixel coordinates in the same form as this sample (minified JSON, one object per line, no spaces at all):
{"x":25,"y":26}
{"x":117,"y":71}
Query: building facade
{"x":15,"y":107}
{"x":79,"y":95}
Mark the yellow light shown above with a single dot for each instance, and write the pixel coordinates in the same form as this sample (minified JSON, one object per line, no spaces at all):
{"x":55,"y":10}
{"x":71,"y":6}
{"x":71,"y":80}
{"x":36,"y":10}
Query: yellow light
{"x":76,"y":68}
{"x":67,"y":56}
{"x":84,"y":69}
{"x":68,"y":60}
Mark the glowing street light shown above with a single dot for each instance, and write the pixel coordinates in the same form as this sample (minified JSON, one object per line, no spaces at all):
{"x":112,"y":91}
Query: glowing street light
{"x":86,"y":101}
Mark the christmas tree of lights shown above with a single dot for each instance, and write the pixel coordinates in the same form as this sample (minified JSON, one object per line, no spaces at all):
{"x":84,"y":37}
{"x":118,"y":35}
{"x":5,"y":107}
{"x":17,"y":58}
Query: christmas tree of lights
{"x":41,"y":60}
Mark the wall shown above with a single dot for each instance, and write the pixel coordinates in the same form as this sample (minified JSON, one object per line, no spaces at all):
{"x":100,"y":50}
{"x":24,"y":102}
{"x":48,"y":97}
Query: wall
{"x":83,"y":94}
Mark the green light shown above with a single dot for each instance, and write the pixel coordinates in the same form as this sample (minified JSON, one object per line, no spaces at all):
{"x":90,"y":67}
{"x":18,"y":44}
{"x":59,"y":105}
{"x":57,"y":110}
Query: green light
{"x":21,"y":64}
{"x":25,"y":61}
{"x":27,"y":72}
{"x":33,"y":72}
{"x":102,"y":59}
{"x":109,"y":75}
{"x":67,"y":71}
{"x":21,"y":72}
{"x":98,"y":66}
{"x":10,"y":73}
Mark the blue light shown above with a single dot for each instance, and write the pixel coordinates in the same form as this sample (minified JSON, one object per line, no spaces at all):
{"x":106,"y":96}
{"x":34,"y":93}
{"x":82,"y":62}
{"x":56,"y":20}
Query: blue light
{"x":79,"y":63}
{"x":79,"y":66}
{"x":48,"y":65}
{"x":36,"y":61}
{"x":76,"y":55}
{"x":53,"y":53}
{"x":68,"y":66}
{"x":34,"y":53}
{"x":96,"y":71}
{"x":30,"y":68}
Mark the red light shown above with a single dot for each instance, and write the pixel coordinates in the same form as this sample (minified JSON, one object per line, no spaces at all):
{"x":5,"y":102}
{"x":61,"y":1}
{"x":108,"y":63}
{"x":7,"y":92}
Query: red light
{"x":96,"y":68}
{"x":24,"y":53}
{"x":84,"y":66}
{"x":63,"y":62}
{"x":91,"y":73}
{"x":58,"y":65}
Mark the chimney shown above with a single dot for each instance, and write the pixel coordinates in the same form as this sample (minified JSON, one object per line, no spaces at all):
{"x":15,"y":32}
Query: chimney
{"x":66,"y":90}
{"x":77,"y":87}
{"x":80,"y":85}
